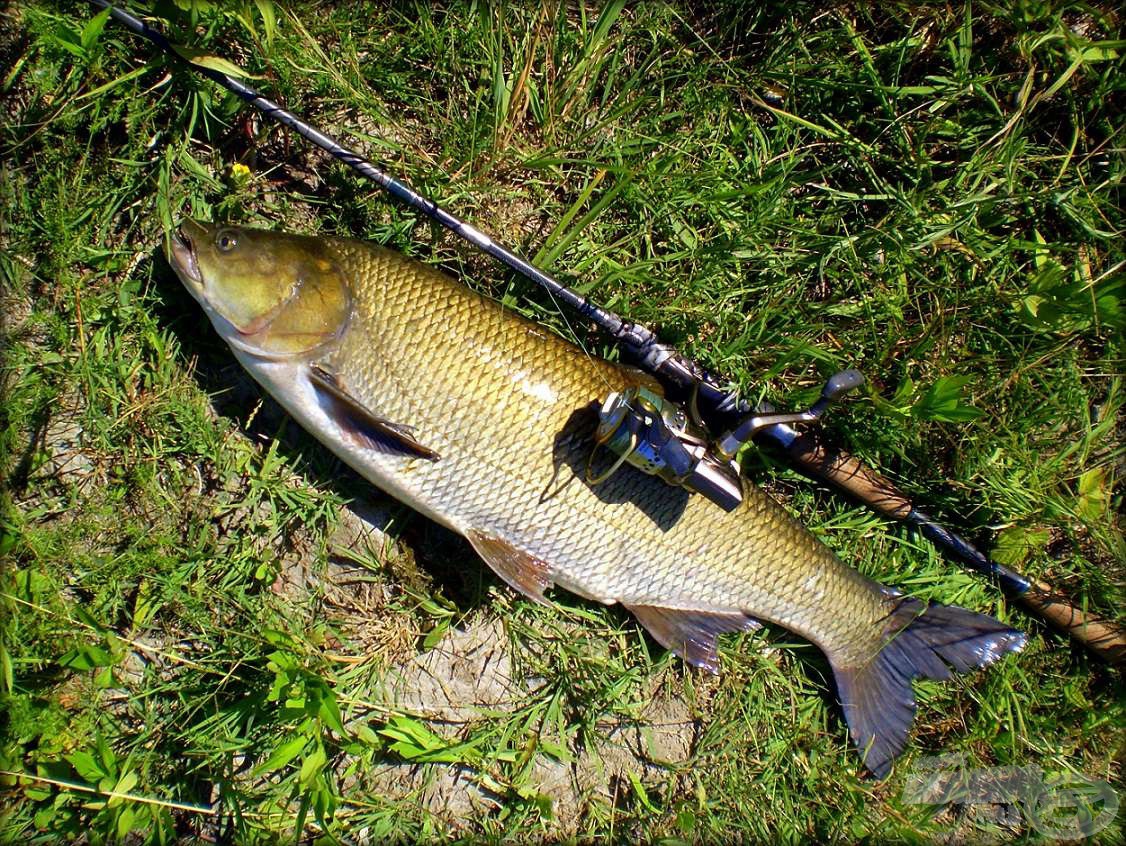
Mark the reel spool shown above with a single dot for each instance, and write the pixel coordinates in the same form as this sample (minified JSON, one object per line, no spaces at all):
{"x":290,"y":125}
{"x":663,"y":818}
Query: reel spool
{"x":656,"y":436}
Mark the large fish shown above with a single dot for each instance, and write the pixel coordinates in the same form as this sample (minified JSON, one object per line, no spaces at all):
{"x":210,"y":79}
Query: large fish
{"x":483,"y":421}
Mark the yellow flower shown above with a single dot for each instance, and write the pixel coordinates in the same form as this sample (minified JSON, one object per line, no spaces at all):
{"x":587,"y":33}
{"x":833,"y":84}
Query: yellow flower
{"x":238,"y":177}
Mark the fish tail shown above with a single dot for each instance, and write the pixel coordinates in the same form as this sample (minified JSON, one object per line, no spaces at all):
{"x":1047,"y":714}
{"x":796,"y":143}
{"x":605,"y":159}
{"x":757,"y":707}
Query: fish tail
{"x":920,"y":641}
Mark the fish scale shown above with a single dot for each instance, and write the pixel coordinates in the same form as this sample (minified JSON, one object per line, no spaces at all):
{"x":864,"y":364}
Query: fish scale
{"x":415,"y":326}
{"x":484,"y":421}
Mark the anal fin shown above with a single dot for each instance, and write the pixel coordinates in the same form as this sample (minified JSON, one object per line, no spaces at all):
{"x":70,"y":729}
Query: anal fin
{"x":360,"y":424}
{"x":691,"y":634}
{"x":524,"y":572}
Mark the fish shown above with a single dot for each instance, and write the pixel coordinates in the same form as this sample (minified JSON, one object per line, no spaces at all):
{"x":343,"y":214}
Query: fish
{"x":484,"y":422}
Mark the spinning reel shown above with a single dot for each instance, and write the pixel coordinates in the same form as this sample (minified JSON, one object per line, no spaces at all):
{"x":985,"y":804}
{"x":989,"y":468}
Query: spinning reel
{"x":659,"y":437}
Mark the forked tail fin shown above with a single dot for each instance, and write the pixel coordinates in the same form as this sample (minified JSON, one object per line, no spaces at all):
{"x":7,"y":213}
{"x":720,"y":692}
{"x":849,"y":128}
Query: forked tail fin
{"x":877,"y":697}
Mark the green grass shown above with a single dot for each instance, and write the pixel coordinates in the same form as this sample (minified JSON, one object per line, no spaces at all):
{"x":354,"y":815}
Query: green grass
{"x":931,"y":193}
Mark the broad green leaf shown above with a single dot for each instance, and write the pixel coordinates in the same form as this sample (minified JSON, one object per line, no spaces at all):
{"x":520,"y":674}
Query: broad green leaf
{"x":282,"y":755}
{"x":1094,"y":494}
{"x":312,"y":765}
{"x":69,"y":40}
{"x":435,"y":635}
{"x":278,"y":638}
{"x":685,"y":820}
{"x":1060,"y":299}
{"x":86,"y":617}
{"x":94,"y":28}
{"x":943,"y":401}
{"x":143,"y":605}
{"x":105,"y":753}
{"x":125,"y":821}
{"x":86,"y":658}
{"x":368,"y":737}
{"x":87,"y":766}
{"x":123,"y":787}
{"x":215,"y":63}
{"x":1017,"y":543}
{"x":412,"y":737}
{"x":329,"y":712}
{"x":1103,"y":52}
{"x":44,"y":817}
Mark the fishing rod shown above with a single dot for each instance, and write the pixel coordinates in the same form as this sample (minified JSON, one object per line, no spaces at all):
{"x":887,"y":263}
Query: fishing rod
{"x":669,"y":436}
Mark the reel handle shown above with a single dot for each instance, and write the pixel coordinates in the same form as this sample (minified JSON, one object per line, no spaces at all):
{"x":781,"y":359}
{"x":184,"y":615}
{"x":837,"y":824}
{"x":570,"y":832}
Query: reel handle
{"x":835,"y":387}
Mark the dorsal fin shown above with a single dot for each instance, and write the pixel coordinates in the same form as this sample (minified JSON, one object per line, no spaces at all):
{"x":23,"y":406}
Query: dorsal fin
{"x":691,"y":634}
{"x":524,"y":572}
{"x":360,"y":424}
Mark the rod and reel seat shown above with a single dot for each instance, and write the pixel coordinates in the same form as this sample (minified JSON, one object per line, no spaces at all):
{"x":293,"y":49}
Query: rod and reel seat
{"x":675,"y":451}
{"x":661,"y":438}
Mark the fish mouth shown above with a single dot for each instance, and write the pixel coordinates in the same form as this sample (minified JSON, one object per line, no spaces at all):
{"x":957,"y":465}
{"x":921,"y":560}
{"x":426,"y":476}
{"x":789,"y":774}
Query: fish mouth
{"x":180,"y":249}
{"x":182,"y":256}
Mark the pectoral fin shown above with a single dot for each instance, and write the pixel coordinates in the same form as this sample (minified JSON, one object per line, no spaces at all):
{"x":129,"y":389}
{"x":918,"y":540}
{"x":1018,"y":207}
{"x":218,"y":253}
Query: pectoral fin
{"x":524,"y":572}
{"x":691,"y":634}
{"x":360,"y":424}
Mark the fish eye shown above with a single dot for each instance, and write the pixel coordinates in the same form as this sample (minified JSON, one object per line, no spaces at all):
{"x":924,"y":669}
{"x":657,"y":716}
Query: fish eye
{"x":226,"y":241}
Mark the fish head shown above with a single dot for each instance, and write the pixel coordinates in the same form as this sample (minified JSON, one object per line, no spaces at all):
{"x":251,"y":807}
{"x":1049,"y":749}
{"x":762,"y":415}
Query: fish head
{"x":269,"y":294}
